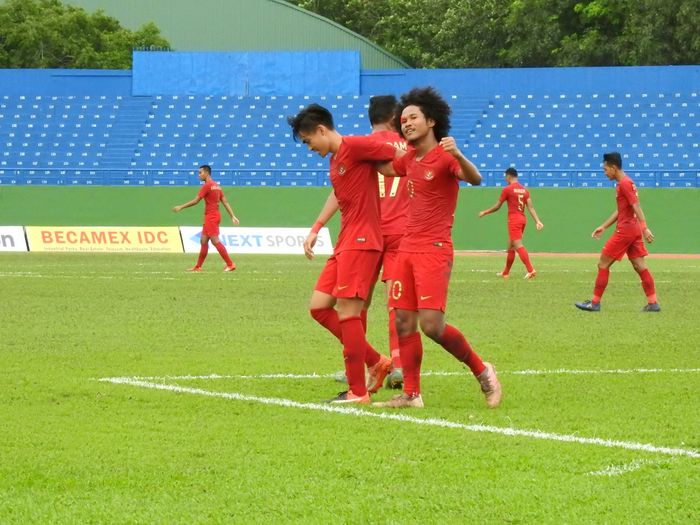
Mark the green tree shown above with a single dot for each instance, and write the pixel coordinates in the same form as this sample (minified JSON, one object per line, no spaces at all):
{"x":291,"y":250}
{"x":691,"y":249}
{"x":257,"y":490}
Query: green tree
{"x":524,"y":33}
{"x":49,"y":34}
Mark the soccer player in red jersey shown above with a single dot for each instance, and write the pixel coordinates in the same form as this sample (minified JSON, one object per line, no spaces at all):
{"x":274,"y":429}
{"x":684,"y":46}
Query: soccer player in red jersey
{"x":212,"y":194}
{"x":629,"y":237}
{"x":517,"y":197}
{"x":393,"y":209}
{"x":352,"y":269}
{"x":434,"y":167}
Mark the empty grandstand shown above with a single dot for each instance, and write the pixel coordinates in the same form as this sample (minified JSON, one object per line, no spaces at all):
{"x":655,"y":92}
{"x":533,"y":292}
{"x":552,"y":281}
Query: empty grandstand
{"x":555,"y":140}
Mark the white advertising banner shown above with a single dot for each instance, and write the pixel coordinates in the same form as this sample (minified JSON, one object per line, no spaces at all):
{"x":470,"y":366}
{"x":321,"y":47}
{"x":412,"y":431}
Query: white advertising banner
{"x":12,"y":239}
{"x":260,"y":240}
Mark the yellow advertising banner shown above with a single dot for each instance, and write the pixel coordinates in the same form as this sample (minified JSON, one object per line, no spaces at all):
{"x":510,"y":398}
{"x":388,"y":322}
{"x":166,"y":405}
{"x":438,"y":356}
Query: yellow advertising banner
{"x":112,"y":239}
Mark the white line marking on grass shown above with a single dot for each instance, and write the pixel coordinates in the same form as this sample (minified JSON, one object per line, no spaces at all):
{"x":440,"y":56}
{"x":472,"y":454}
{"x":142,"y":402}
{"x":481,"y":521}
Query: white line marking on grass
{"x":617,"y":470}
{"x":565,"y":371}
{"x":314,"y":375}
{"x":288,"y":403}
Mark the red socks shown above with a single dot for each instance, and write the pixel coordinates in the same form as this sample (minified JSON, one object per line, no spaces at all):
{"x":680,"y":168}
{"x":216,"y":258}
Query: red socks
{"x":648,"y":285}
{"x":354,"y":348}
{"x":411,"y":359}
{"x":203,"y":251}
{"x":525,"y":257}
{"x":601,"y":282}
{"x":328,"y":318}
{"x":510,"y":259}
{"x":394,"y":340}
{"x":224,"y":254}
{"x":454,"y":342}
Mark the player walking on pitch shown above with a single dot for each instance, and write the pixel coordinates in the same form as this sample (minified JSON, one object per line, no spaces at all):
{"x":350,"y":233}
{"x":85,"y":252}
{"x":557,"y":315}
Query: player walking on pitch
{"x":517,"y":197}
{"x":434,"y":167}
{"x":212,"y":194}
{"x":393,"y":209}
{"x":352,"y":269}
{"x":627,"y":239}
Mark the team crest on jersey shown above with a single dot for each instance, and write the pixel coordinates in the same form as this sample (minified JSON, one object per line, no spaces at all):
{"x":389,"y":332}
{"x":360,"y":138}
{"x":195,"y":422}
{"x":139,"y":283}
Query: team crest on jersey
{"x":341,"y":169}
{"x":429,"y":175}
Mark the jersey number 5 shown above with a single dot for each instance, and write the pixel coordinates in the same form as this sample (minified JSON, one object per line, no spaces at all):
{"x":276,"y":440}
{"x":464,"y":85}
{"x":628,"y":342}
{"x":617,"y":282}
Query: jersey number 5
{"x":521,"y":205}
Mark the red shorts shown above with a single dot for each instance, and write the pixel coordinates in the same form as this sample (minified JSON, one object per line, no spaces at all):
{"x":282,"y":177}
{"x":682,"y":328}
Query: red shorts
{"x":621,"y":243}
{"x":389,"y":256}
{"x":349,"y":274}
{"x":421,"y":281}
{"x":516,"y":229}
{"x":211,"y":225}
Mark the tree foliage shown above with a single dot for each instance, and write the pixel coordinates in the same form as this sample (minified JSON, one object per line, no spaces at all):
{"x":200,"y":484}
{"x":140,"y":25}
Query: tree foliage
{"x":524,"y":33}
{"x":49,"y":34}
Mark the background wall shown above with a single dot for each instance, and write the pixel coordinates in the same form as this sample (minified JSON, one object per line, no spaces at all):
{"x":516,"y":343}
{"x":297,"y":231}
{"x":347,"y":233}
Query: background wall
{"x":569,"y":214}
{"x":474,"y":82}
{"x":486,"y":82}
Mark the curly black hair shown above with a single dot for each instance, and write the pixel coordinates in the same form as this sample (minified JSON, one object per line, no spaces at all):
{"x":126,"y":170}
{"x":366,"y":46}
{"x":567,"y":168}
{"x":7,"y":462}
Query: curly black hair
{"x":431,"y":104}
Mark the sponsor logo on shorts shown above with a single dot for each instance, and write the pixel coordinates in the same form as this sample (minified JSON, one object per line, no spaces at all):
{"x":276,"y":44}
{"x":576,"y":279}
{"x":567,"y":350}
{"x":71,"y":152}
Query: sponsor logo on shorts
{"x":361,"y":239}
{"x":425,"y":297}
{"x":343,"y":287}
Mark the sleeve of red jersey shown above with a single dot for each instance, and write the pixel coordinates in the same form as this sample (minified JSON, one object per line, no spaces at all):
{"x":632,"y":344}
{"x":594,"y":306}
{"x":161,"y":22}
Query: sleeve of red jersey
{"x":368,"y":148}
{"x":454,"y":167}
{"x":629,"y":192}
{"x":399,"y":165}
{"x":203,"y":191}
{"x":504,"y":195}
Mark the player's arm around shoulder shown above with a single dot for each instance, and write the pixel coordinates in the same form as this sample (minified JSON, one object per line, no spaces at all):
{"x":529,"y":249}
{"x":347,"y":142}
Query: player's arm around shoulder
{"x":395,"y":167}
{"x":469,"y":172}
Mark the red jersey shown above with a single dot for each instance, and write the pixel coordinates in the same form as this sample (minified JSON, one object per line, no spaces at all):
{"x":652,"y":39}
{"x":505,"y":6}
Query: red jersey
{"x":516,"y":195}
{"x":433,"y":187}
{"x":354,"y":177}
{"x":626,"y":197}
{"x":211,"y":193}
{"x":393,"y":199}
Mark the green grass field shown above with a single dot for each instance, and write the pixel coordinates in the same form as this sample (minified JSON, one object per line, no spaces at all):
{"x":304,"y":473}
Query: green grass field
{"x":619,"y":443}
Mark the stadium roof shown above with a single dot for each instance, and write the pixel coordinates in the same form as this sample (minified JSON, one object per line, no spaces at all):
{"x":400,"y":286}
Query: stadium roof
{"x":242,"y":25}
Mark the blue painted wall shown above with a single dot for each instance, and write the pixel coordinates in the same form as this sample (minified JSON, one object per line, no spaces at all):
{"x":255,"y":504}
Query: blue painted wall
{"x":472,"y":82}
{"x":487,"y":82}
{"x":250,"y":73}
{"x":65,"y":82}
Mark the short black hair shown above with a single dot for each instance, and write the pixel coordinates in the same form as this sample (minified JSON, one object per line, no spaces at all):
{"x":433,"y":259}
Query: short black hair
{"x":382,"y":108}
{"x":206,"y":167}
{"x":433,"y":107}
{"x":309,"y":118}
{"x":613,"y":158}
{"x":512,"y":172}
